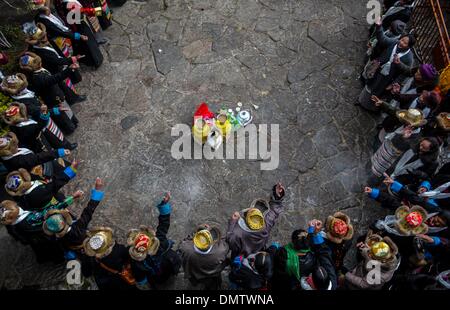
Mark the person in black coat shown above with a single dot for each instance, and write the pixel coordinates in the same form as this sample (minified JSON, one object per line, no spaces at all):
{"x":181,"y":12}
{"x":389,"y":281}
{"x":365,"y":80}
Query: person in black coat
{"x":26,"y":227}
{"x":152,"y":259}
{"x":107,"y":260}
{"x":48,"y":87}
{"x":14,"y":157}
{"x":323,"y":276}
{"x":53,"y":59}
{"x":80,"y":33}
{"x":253,"y":272}
{"x":27,"y":131}
{"x":35,"y":193}
{"x":16,"y":87}
{"x":287,"y":272}
{"x":402,"y":193}
{"x":69,"y":231}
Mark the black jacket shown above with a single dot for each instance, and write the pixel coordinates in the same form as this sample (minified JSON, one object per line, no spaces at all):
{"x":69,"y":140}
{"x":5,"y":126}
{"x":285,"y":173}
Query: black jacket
{"x":48,"y":87}
{"x":116,"y":260}
{"x":283,"y":281}
{"x":39,"y":197}
{"x":164,"y":263}
{"x":30,"y":160}
{"x":77,"y":234}
{"x":28,"y":135}
{"x":52,"y":61}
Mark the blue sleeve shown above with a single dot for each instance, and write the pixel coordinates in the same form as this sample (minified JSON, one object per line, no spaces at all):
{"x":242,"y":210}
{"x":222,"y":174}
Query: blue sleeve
{"x":97,"y":195}
{"x":432,"y":203}
{"x":70,"y":172}
{"x":396,"y":186}
{"x":426,"y":184}
{"x":436,"y":242}
{"x":77,"y":36}
{"x":61,"y":153}
{"x":164,"y":208}
{"x":56,"y":111}
{"x":310,"y":229}
{"x":317,"y":239}
{"x":143,"y":282}
{"x":375,"y":193}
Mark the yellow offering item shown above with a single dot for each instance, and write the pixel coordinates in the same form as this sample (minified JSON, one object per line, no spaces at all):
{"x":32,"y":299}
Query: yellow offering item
{"x":200,"y":131}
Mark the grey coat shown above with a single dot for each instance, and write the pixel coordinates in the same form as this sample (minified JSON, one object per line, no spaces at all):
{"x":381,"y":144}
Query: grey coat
{"x":244,"y":241}
{"x":198,"y":266}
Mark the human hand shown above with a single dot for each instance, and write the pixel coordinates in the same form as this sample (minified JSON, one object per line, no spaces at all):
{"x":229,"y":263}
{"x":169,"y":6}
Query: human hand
{"x":367,"y":190}
{"x":166,"y":197}
{"x":396,"y":59}
{"x":235,"y":216}
{"x":425,"y":238}
{"x":63,"y":108}
{"x":279,"y":190}
{"x":387,"y":179}
{"x":407,"y":132}
{"x":378,"y":21}
{"x":78,"y":194}
{"x":395,"y":88}
{"x":75,"y":164}
{"x":84,"y":38}
{"x":377,"y":101}
{"x":99,"y":184}
{"x":74,"y":66}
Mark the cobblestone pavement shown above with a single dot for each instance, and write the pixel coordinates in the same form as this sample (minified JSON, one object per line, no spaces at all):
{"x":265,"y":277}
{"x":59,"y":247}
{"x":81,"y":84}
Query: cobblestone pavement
{"x":298,"y":60}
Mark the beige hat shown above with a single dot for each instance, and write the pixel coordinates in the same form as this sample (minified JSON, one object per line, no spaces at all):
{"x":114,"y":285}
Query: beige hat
{"x":412,"y":117}
{"x":14,"y":84}
{"x":338,"y":228}
{"x":9,"y":211}
{"x":142,"y":242}
{"x":100,"y":242}
{"x":57,"y":223}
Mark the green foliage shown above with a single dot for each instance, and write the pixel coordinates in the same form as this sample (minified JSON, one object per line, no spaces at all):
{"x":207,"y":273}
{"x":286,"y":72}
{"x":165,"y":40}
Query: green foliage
{"x":16,"y":37}
{"x":4,"y":100}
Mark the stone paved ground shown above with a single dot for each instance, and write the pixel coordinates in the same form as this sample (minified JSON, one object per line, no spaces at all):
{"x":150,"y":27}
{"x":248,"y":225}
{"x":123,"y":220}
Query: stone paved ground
{"x":296,"y":59}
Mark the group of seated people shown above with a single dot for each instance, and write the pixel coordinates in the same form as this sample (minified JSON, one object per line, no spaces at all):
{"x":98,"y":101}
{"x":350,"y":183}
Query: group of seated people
{"x":406,"y":250}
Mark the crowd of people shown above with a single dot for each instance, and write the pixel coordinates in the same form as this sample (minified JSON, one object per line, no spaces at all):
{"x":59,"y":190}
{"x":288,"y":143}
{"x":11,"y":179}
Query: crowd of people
{"x":406,"y":250}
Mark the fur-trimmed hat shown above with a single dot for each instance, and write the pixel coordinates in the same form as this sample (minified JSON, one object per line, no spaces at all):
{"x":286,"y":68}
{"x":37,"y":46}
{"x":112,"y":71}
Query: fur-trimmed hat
{"x":57,"y":223}
{"x":18,"y":182}
{"x":381,"y":248}
{"x":412,"y":117}
{"x":100,"y":242}
{"x":255,"y":215}
{"x":14,"y":84}
{"x":16,"y":113}
{"x":30,"y":62}
{"x":206,"y":236}
{"x":8,"y":144}
{"x":443,"y":120}
{"x":411,"y":221}
{"x":142,"y":242}
{"x":9,"y":211}
{"x":338,"y":228}
{"x":35,"y":33}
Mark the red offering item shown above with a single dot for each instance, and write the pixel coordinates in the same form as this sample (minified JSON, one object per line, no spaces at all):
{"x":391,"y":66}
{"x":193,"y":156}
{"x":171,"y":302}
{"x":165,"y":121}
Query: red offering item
{"x":203,"y":112}
{"x":340,"y":228}
{"x":414,"y":219}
